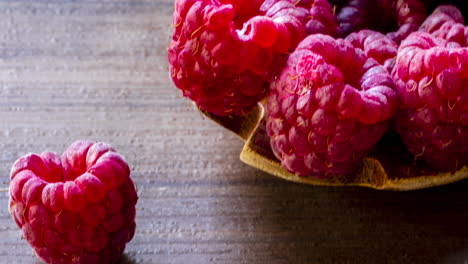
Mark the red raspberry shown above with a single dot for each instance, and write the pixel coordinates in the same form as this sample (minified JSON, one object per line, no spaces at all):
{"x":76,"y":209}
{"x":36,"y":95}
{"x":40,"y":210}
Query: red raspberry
{"x":431,"y":75}
{"x":446,"y":22}
{"x":409,"y":14}
{"x":78,"y":208}
{"x":223,"y":54}
{"x":328,"y":108}
{"x":376,"y":45}
{"x":322,"y":18}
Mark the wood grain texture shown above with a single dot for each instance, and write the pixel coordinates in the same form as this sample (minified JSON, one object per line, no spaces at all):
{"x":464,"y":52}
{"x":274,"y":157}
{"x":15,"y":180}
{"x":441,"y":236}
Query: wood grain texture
{"x":94,"y":69}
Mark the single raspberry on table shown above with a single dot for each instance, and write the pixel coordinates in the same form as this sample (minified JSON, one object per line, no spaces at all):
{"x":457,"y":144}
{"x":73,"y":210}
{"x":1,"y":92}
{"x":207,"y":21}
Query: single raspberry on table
{"x":77,"y":208}
{"x":223,"y":54}
{"x":329,"y":107}
{"x":431,"y":76}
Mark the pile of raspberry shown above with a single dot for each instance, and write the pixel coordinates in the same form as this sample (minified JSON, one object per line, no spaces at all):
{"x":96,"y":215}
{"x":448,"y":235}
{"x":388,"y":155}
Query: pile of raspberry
{"x":337,"y":75}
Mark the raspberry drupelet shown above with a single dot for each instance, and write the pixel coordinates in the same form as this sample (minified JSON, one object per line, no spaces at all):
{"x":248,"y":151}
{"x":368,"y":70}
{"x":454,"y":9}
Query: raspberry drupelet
{"x":376,"y":45}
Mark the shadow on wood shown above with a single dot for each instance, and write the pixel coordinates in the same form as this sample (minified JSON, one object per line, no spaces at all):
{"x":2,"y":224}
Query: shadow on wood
{"x":125,"y":259}
{"x":302,"y":224}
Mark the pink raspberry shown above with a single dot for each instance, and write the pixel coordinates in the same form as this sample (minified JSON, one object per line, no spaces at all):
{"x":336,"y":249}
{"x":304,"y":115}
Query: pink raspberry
{"x":223,"y":54}
{"x":329,"y":107}
{"x":322,"y":18}
{"x":446,"y":22}
{"x":78,"y":208}
{"x":376,"y":45}
{"x":431,"y":76}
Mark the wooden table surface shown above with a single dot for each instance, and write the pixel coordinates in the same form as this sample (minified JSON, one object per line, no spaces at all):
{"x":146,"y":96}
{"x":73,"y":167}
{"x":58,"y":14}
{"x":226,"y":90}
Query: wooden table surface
{"x":96,"y":69}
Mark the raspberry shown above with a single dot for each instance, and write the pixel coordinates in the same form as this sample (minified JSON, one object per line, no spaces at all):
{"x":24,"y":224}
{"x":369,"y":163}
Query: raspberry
{"x":410,"y":15}
{"x":78,"y":208}
{"x":354,"y":16}
{"x":323,"y":18}
{"x":328,"y":107}
{"x":376,"y":45}
{"x":432,"y":82}
{"x":224,"y":54}
{"x":398,"y":17}
{"x":446,"y":22}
